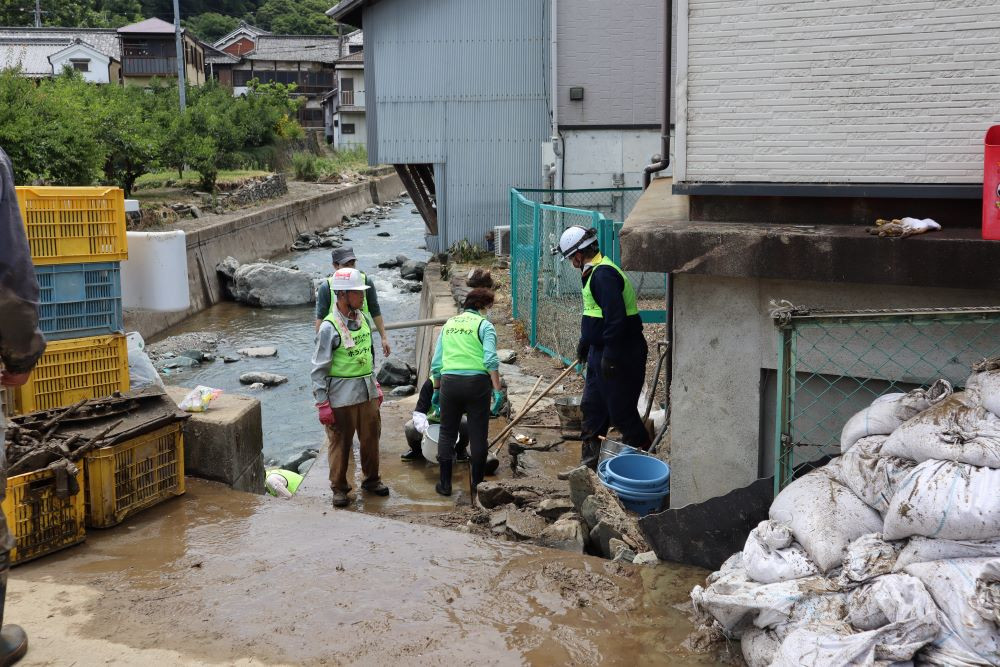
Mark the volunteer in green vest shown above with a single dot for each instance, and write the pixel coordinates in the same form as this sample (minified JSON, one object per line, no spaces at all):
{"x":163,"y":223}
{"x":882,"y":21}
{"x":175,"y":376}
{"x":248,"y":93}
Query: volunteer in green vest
{"x":343,"y":258}
{"x":466,"y":381}
{"x":344,"y":386}
{"x":282,"y":483}
{"x":611,"y":343}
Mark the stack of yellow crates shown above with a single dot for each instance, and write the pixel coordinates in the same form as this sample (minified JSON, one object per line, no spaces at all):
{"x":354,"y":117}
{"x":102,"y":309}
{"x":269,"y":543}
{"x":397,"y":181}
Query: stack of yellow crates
{"x":77,"y":241}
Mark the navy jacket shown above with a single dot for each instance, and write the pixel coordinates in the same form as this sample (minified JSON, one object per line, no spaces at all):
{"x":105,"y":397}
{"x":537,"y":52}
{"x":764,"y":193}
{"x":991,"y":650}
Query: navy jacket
{"x":616,"y":333}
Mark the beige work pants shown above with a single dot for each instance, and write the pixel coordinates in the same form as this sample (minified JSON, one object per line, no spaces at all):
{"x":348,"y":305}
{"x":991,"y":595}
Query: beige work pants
{"x":365,"y":420}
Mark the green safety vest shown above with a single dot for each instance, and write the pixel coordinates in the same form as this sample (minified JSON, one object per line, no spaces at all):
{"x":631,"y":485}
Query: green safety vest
{"x":590,"y":307}
{"x":357,"y":361}
{"x":293,"y":479}
{"x":461,"y":348}
{"x":333,"y":299}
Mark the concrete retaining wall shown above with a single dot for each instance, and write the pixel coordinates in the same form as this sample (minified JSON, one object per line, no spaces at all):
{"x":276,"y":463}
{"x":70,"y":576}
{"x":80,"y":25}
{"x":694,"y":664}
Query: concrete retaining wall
{"x":261,"y":233}
{"x":436,"y":300}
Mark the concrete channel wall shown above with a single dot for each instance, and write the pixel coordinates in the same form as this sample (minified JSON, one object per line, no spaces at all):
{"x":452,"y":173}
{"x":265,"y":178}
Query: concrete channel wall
{"x":436,"y":300}
{"x":260,"y":233}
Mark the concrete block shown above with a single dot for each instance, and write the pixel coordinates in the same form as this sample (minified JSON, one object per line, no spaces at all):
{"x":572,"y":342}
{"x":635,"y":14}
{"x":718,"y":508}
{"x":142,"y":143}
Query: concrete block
{"x":225,"y":443}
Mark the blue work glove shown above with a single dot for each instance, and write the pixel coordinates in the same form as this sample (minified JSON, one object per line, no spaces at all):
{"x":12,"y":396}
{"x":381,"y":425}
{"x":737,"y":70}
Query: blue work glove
{"x":436,"y":400}
{"x":609,"y":368}
{"x":497,"y":402}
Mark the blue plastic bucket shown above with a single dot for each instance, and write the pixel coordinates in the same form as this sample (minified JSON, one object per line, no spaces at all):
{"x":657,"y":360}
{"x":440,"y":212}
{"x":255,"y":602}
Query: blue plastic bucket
{"x":638,"y":473}
{"x":637,"y":501}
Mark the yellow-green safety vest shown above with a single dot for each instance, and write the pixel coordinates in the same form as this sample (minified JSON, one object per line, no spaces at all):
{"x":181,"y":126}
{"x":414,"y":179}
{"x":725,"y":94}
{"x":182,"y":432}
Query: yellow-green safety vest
{"x":333,"y":299}
{"x":590,"y":307}
{"x":461,"y":348}
{"x":293,"y":479}
{"x":357,"y":361}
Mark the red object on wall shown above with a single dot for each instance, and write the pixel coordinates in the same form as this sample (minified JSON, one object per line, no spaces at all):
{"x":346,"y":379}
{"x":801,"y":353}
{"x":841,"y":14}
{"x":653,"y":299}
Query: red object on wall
{"x":991,"y":184}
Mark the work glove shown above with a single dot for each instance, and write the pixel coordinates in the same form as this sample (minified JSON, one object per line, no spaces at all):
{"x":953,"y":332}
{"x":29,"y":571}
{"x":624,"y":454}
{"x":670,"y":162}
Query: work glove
{"x":325,"y":414}
{"x":609,"y":368}
{"x":381,"y":394}
{"x":582,"y":350}
{"x":497,"y":402}
{"x":420,"y":422}
{"x":436,"y":401}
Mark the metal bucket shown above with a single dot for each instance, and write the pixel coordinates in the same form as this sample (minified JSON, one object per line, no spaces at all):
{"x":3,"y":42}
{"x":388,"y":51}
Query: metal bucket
{"x":570,"y":416}
{"x":612,"y":448}
{"x":429,"y":443}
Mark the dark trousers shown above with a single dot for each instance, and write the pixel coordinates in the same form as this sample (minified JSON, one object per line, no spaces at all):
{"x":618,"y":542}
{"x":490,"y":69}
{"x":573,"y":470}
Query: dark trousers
{"x":467,"y":395}
{"x":613,"y":402}
{"x":415,"y":437}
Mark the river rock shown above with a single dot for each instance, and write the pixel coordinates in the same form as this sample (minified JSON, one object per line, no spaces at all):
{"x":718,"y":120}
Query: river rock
{"x":411,"y":269}
{"x":507,"y":356}
{"x":268,"y":285}
{"x":493,"y":494}
{"x":197,"y":355}
{"x":525,"y":523}
{"x":601,"y":536}
{"x":394,"y":373}
{"x":413,"y":289}
{"x":405,"y":390}
{"x":256,"y":352}
{"x":181,"y":362}
{"x":566,"y":534}
{"x":581,"y":484}
{"x":268,"y":379}
{"x":383,"y":234}
{"x":257,"y":386}
{"x":228,"y":267}
{"x":389,"y":264}
{"x":230,"y":359}
{"x":553,"y":508}
{"x":621,"y":552}
{"x":646,"y":558}
{"x":588,"y":510}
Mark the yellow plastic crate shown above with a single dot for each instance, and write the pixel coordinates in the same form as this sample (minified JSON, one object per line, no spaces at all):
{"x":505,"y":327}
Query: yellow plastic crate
{"x":69,"y":370}
{"x":134,"y":475}
{"x":40,"y":521}
{"x":73,"y":225}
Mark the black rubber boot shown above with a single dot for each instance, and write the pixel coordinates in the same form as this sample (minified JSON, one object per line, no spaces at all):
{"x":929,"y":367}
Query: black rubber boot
{"x":13,"y":641}
{"x":590,"y":452}
{"x":444,"y":486}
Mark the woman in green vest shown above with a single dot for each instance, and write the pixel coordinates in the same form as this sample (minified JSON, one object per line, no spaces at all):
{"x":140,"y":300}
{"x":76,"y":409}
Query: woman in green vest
{"x":466,"y":381}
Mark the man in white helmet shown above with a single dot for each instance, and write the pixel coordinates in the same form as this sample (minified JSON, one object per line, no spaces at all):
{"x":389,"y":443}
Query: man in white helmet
{"x":612,"y":344}
{"x":344,"y":386}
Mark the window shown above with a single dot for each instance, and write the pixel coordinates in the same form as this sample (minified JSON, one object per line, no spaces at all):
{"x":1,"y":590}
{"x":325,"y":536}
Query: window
{"x":241,"y":77}
{"x":354,"y":48}
{"x":80,"y":64}
{"x":347,"y":83}
{"x":347,"y":128}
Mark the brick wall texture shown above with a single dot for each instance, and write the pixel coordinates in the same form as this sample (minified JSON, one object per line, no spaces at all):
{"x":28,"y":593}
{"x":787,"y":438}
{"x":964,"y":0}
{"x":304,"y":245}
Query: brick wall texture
{"x":893,"y":91}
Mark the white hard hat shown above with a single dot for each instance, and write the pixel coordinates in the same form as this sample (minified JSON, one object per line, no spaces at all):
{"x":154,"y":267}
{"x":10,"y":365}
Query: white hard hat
{"x":348,"y":279}
{"x":573,"y":239}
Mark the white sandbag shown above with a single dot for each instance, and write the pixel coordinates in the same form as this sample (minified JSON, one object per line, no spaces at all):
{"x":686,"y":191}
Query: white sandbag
{"x":956,"y":429}
{"x":946,"y":500}
{"x":770,"y":555}
{"x":867,"y":557}
{"x":738,"y":603}
{"x":924,"y":549}
{"x":759,"y":646}
{"x":966,"y":634}
{"x":896,"y":615}
{"x":872,"y":477}
{"x":987,"y":598}
{"x":824,"y":515}
{"x":986,"y":380}
{"x":887,"y":412}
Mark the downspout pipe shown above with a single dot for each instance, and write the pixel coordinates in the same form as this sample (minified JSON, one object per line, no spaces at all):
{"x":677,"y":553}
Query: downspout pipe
{"x":664,"y":161}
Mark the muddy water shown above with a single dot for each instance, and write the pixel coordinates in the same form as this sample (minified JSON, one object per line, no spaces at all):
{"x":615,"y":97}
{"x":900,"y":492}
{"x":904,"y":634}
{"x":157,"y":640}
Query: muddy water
{"x":289,"y":419}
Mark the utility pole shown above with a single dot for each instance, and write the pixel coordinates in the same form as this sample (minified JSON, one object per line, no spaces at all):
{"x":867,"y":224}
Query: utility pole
{"x":38,"y":13}
{"x":180,"y":55}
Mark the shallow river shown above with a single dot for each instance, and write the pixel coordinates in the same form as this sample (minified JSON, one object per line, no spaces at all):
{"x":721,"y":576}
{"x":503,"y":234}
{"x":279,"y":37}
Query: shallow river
{"x":289,"y":419}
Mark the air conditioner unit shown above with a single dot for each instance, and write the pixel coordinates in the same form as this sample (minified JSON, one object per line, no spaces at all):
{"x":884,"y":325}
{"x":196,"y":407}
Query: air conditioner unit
{"x":501,"y":240}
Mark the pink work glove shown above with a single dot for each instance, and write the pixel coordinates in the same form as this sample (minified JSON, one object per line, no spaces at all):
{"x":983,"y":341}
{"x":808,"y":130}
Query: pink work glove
{"x":381,"y":396}
{"x":325,"y":413}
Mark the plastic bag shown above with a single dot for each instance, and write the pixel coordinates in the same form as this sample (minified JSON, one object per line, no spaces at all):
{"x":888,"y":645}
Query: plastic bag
{"x":771,"y":556}
{"x":824,"y":515}
{"x":957,"y":429}
{"x":948,"y":500}
{"x":141,"y":372}
{"x":872,"y":477}
{"x":888,"y":412}
{"x":198,"y":399}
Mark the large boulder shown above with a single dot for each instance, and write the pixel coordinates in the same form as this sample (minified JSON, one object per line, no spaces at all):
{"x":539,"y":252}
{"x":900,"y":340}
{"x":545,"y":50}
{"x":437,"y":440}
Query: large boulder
{"x":266,"y":285}
{"x":412,"y":269}
{"x":228,"y":267}
{"x":394,"y":373}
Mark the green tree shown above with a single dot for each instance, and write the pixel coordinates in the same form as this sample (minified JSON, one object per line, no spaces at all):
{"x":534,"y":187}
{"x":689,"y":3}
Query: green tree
{"x":296,"y":17}
{"x":130,"y":135}
{"x":210,"y":26}
{"x":72,"y":13}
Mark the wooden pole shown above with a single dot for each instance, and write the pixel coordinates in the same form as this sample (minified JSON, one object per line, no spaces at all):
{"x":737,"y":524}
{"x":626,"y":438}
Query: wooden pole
{"x":507,"y":429}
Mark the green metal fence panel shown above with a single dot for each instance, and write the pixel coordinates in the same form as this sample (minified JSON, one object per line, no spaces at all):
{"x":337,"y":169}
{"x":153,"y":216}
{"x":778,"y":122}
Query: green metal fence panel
{"x":546,"y":289}
{"x":832,"y":365}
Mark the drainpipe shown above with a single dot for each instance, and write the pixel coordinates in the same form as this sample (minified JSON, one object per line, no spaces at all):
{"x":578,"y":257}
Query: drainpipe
{"x":664,"y":161}
{"x":558,"y":148}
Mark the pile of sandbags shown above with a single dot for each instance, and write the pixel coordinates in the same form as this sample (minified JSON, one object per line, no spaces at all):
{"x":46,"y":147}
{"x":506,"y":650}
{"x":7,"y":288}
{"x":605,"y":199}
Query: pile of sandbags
{"x":890,"y":552}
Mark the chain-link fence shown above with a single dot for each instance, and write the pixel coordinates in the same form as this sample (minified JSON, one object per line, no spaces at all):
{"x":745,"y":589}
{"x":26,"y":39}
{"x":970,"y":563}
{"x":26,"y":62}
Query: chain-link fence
{"x":832,"y":365}
{"x":545,"y":289}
